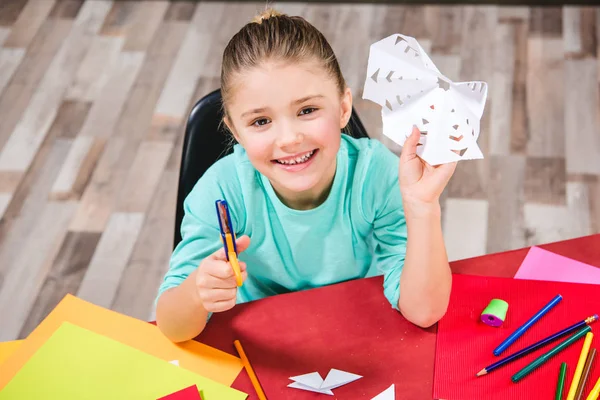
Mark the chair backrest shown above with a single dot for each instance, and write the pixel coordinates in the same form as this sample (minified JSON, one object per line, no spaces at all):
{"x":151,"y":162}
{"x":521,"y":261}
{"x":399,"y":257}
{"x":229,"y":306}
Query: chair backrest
{"x":206,"y":141}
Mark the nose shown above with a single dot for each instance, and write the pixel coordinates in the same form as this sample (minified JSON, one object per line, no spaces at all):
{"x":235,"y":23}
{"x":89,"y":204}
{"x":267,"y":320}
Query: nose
{"x":289,"y":137}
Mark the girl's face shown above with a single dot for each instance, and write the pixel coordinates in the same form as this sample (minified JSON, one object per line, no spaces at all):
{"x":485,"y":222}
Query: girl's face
{"x":288,"y":118}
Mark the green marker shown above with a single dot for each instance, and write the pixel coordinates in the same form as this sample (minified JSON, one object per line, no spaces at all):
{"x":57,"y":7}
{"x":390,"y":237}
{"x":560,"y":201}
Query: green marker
{"x":561,"y":381}
{"x":546,"y":356}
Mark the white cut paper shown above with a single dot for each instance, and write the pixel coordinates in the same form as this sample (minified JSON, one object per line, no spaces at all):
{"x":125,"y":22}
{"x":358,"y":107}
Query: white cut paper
{"x":174,"y":362}
{"x":387,"y":394}
{"x":315,"y":383}
{"x":403,"y":80}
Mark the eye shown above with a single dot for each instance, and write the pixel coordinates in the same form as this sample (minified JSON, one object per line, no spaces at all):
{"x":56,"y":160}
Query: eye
{"x":259,"y":122}
{"x":308,"y":109}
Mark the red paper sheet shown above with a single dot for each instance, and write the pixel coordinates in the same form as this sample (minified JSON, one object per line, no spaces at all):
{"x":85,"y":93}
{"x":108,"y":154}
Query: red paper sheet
{"x":189,"y":393}
{"x":349,"y":326}
{"x":465,"y":345}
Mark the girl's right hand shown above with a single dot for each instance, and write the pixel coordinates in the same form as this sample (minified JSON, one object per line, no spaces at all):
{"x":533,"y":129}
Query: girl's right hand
{"x":215,"y":279}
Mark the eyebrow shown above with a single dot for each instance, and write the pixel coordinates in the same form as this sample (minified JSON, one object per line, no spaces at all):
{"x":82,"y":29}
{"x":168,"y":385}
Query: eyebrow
{"x":298,"y":101}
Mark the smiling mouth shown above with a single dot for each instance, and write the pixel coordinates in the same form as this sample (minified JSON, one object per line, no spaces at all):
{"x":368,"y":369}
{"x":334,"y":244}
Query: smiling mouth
{"x":298,"y":160}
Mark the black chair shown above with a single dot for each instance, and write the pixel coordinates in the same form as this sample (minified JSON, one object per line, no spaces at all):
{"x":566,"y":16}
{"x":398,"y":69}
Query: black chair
{"x":206,"y":141}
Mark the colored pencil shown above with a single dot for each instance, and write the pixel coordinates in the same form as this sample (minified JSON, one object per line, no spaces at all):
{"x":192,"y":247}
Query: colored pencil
{"x":585,"y":349}
{"x":523,"y":328}
{"x":595,"y":391}
{"x":529,"y":368}
{"x":249,"y":370}
{"x":537,"y":345}
{"x":561,"y":381}
{"x":586,"y":374}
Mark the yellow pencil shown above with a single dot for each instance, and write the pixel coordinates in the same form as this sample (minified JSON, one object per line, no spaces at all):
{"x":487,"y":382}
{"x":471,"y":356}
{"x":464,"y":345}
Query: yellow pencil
{"x":249,"y":370}
{"x":595,"y":391}
{"x":582,"y":357}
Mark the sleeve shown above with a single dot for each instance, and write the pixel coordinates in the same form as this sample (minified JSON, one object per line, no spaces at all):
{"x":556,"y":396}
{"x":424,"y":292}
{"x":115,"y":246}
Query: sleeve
{"x":382,"y":206}
{"x":199,"y":230}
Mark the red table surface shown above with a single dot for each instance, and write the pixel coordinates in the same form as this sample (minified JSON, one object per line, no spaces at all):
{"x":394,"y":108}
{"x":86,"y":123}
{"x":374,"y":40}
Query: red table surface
{"x":350,"y":326}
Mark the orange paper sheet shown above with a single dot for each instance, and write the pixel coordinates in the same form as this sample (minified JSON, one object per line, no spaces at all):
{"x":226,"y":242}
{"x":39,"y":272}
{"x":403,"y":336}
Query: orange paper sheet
{"x":7,"y":348}
{"x":194,"y":356}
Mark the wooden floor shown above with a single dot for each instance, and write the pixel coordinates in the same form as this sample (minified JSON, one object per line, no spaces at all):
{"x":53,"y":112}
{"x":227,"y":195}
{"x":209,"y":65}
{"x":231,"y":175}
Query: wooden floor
{"x":94,"y":96}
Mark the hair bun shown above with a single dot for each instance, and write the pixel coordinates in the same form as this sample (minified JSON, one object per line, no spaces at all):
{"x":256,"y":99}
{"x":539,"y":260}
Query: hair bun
{"x":268,"y":13}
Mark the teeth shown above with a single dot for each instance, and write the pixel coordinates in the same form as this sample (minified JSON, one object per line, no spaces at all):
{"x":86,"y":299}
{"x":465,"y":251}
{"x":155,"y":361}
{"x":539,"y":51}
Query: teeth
{"x":296,"y":160}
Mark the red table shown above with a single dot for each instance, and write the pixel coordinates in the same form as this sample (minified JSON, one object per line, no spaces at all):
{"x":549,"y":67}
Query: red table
{"x":273,"y":327}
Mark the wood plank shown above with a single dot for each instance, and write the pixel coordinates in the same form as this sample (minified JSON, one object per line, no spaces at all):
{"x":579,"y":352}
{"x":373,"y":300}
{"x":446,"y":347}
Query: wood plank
{"x":507,"y":14}
{"x":545,"y":180}
{"x":545,"y":97}
{"x":16,"y":97}
{"x":65,"y":275}
{"x":148,"y":16}
{"x":105,"y":111}
{"x":9,"y":62}
{"x":10,"y":11}
{"x":589,"y":41}
{"x":465,"y":227}
{"x":579,"y":31}
{"x":29,"y":22}
{"x":66,"y":9}
{"x":4,"y":32}
{"x":571,"y":16}
{"x":70,"y":118}
{"x":23,"y":144}
{"x":96,"y":68}
{"x":77,"y":168}
{"x":501,"y":97}
{"x":119,"y":16}
{"x":180,"y":11}
{"x":545,"y":21}
{"x":549,"y":223}
{"x":29,"y":200}
{"x":582,"y":135}
{"x":100,"y":196}
{"x":519,"y":125}
{"x":144,"y":176}
{"x":505,"y":229}
{"x":178,"y":89}
{"x":28,"y":271}
{"x":150,"y":258}
{"x":444,"y":23}
{"x":5,"y":199}
{"x":101,"y":281}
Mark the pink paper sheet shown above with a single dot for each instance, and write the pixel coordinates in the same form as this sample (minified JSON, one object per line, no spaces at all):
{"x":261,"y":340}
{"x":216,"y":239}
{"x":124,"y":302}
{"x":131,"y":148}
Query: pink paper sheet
{"x":543,"y":265}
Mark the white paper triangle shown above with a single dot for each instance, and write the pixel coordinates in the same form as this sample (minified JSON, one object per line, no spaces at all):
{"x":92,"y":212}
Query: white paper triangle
{"x":175,"y":362}
{"x":297,"y":385}
{"x":387,"y":394}
{"x":313,"y":380}
{"x":336,"y":378}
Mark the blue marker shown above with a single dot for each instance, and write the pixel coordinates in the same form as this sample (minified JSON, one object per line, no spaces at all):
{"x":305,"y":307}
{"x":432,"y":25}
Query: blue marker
{"x":516,"y":334}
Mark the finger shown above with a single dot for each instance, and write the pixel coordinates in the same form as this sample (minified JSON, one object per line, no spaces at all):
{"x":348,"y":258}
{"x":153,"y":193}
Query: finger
{"x":444,"y":172}
{"x":220,"y":306}
{"x":212,"y":282}
{"x":241,"y":244}
{"x":219,"y":269}
{"x":409,"y":149}
{"x":216,"y":295}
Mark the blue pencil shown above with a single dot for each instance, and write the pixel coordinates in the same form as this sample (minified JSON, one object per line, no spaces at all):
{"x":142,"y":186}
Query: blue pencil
{"x":537,"y":345}
{"x":521,"y":330}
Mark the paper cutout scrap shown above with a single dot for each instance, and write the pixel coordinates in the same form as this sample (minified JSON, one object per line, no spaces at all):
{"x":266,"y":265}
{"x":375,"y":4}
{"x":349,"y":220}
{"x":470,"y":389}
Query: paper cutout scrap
{"x":315,"y":383}
{"x":194,"y":356}
{"x":404,"y":81}
{"x":543,"y":265}
{"x":76,"y":363}
{"x":189,"y":393}
{"x":387,"y":394}
{"x":8,"y":348}
{"x":175,"y":362}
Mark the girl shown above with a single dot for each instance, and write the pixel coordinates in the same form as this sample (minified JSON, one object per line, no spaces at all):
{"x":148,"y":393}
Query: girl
{"x":310,"y":206}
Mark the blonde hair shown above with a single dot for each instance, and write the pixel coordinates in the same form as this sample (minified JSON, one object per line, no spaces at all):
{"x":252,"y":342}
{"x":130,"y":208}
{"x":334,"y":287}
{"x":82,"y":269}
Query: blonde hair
{"x":272,"y":35}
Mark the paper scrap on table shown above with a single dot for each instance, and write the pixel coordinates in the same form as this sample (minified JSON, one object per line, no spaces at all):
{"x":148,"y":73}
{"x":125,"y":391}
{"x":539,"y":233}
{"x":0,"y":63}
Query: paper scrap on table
{"x":76,"y":363}
{"x":314,"y":382}
{"x":175,"y":362}
{"x":543,"y":265}
{"x":7,"y":348}
{"x":387,"y":394}
{"x":188,"y":393}
{"x":194,"y":356}
{"x":404,"y":81}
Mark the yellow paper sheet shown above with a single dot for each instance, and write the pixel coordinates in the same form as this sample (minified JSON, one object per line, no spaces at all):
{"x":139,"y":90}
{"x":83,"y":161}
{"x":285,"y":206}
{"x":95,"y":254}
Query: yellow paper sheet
{"x":197,"y":357}
{"x":76,"y":363}
{"x":7,"y":348}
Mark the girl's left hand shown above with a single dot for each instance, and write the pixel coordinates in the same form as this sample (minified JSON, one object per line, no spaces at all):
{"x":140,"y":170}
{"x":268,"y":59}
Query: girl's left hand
{"x":420,"y":183}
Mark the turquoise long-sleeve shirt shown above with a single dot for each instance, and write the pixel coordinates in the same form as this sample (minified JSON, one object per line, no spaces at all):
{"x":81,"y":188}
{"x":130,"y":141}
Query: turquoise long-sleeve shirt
{"x":359,"y":231}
